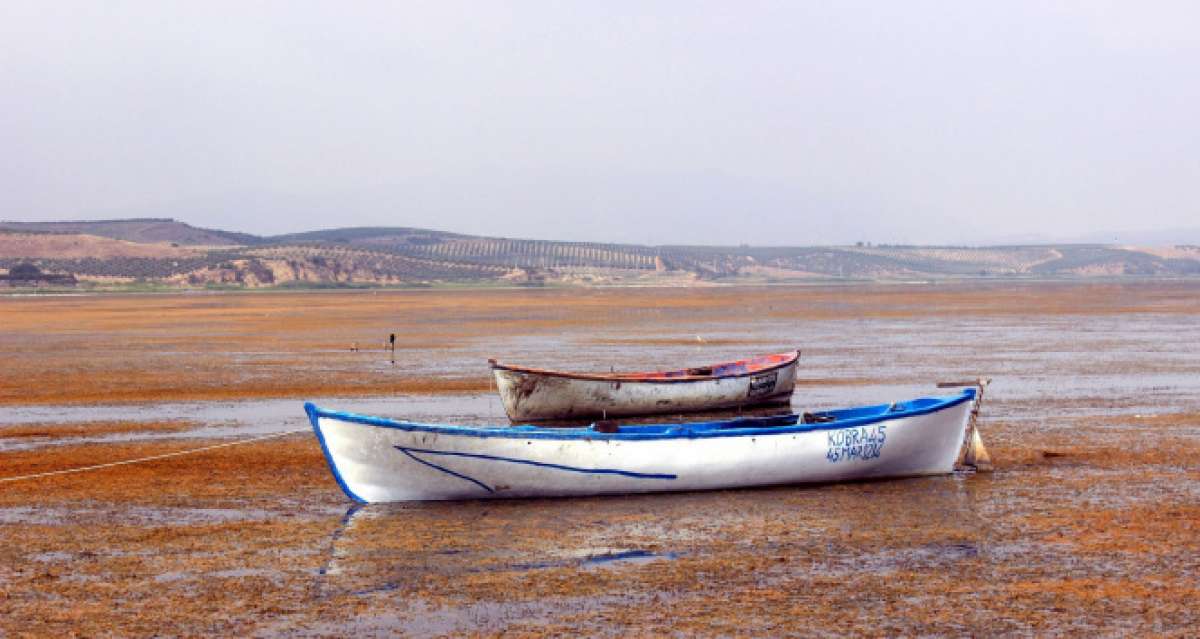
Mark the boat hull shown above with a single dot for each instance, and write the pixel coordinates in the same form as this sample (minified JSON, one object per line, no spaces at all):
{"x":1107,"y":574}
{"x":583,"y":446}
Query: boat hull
{"x":538,"y":396}
{"x":380,"y":460}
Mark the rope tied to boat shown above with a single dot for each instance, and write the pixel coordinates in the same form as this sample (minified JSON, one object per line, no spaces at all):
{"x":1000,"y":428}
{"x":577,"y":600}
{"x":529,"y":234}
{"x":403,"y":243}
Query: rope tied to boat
{"x":139,"y":460}
{"x":973,"y":455}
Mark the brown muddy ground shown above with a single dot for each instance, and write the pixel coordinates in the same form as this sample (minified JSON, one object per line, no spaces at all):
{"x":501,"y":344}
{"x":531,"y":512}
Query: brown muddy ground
{"x":1085,"y":527}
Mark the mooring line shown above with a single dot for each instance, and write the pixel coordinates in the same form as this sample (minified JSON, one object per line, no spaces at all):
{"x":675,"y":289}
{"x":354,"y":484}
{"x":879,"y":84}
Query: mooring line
{"x":153,"y":457}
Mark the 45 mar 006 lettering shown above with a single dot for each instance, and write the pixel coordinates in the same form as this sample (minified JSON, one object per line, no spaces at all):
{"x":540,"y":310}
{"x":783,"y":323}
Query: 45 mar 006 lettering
{"x":863,"y":443}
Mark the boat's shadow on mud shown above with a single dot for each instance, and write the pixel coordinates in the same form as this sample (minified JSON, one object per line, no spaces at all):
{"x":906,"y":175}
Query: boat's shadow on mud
{"x":401,"y":548}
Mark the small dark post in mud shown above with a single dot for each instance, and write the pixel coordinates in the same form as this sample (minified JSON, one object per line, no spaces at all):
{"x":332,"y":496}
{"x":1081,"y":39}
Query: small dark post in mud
{"x":392,"y":346}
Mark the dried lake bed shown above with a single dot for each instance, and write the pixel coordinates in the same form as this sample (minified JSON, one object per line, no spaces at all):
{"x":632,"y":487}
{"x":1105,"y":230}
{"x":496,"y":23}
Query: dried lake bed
{"x":1085,"y":526}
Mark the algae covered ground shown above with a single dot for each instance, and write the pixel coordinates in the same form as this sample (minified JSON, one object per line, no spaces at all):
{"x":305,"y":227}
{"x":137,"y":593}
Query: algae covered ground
{"x":1085,"y":527}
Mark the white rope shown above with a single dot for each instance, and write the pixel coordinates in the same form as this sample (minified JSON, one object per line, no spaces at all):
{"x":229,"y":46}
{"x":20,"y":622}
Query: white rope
{"x":152,"y":457}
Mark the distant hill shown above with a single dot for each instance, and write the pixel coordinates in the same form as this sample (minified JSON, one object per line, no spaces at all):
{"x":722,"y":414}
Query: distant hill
{"x":46,"y":245}
{"x":1162,"y":237}
{"x":366,"y":235}
{"x":142,"y":230}
{"x":403,"y":256}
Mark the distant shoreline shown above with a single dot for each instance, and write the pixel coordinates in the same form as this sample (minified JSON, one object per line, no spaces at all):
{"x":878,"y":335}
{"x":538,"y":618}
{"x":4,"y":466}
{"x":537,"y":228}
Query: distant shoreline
{"x":445,"y":287}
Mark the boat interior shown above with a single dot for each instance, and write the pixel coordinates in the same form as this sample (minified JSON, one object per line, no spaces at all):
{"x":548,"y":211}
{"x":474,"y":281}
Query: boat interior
{"x":738,"y":368}
{"x":749,"y":425}
{"x":726,"y":369}
{"x":775,"y":421}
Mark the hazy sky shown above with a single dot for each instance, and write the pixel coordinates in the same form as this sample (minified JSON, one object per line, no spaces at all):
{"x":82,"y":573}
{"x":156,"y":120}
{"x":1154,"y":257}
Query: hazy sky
{"x":661,"y":122}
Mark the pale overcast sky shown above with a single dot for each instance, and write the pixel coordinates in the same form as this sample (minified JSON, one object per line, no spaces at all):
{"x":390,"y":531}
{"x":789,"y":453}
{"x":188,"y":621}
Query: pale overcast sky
{"x":646,"y":122}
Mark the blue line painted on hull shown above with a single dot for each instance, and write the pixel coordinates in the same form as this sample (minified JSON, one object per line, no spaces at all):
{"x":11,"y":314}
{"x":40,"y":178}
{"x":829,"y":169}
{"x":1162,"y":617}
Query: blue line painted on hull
{"x":409,"y":452}
{"x":574,"y":469}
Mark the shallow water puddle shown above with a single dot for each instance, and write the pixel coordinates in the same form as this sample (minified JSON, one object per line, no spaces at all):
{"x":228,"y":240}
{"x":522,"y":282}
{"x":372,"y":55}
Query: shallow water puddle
{"x":242,"y":419}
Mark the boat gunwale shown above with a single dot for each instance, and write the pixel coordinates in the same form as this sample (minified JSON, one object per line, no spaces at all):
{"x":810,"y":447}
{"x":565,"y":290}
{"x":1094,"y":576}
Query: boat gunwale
{"x":671,"y":431}
{"x":637,"y":378}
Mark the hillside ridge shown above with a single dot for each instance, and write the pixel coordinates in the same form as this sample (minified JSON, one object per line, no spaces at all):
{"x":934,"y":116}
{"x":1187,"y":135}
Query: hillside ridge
{"x":146,"y":230}
{"x":168,"y":253}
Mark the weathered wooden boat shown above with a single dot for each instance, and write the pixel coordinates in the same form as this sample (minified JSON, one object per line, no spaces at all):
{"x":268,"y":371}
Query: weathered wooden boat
{"x":534,"y":394}
{"x":376,"y":459}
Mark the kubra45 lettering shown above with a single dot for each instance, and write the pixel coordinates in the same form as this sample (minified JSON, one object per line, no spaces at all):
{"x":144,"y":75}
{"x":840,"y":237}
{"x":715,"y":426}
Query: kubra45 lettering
{"x":864,"y":442}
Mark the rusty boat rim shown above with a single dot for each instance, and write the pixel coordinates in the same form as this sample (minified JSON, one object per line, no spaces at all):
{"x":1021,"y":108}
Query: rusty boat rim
{"x":746,"y":367}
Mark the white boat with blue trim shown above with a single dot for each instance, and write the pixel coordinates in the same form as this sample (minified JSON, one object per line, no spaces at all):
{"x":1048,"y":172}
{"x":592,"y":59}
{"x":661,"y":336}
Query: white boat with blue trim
{"x":375,"y":459}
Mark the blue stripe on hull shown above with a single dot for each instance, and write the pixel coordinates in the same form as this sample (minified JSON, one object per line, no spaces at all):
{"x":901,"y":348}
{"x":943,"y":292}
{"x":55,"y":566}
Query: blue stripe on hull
{"x":410,"y":451}
{"x":574,"y":469}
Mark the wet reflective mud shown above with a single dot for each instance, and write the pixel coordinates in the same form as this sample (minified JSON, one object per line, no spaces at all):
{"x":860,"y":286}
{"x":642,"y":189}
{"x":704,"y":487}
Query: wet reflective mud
{"x":1085,"y":527}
